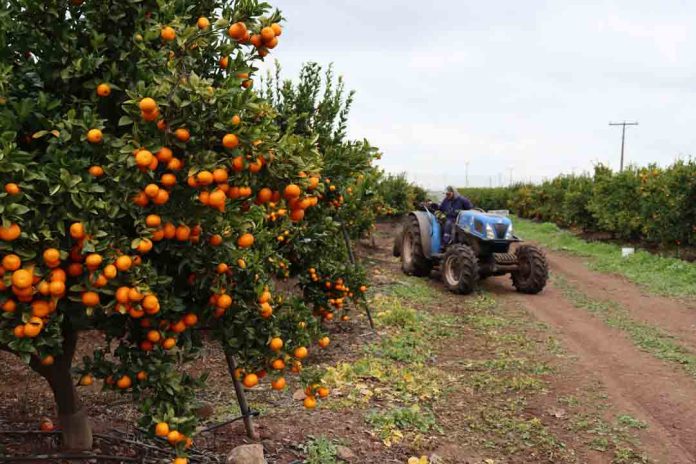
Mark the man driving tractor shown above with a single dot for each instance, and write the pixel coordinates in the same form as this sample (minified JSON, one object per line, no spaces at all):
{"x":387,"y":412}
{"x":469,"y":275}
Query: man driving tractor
{"x":450,"y":207}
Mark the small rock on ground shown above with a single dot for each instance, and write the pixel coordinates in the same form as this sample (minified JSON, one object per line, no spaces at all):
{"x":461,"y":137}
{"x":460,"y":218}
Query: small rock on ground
{"x":247,"y":454}
{"x":345,"y":454}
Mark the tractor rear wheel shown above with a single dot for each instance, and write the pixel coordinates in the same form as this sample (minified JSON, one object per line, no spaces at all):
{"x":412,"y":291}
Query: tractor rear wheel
{"x":532,"y":271}
{"x":460,"y":271}
{"x":413,"y":260}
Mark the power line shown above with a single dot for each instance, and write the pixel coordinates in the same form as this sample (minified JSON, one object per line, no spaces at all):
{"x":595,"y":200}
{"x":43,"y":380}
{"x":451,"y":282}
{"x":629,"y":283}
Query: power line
{"x":623,"y":137}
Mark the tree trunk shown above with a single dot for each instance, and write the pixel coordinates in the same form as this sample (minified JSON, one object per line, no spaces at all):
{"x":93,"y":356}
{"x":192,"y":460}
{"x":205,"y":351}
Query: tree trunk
{"x":74,"y":423}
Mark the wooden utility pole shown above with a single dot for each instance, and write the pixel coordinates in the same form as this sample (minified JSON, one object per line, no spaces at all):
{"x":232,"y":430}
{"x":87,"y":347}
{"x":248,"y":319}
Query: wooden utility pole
{"x":623,"y":137}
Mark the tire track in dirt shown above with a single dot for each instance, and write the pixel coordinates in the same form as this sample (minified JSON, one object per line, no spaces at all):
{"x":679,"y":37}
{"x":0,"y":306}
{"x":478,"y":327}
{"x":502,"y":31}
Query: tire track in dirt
{"x":635,"y":381}
{"x":676,"y":316}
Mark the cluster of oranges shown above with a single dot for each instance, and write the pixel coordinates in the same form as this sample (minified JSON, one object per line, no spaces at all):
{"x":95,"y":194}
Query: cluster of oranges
{"x":335,"y":293}
{"x":266,"y":39}
{"x":174,"y":437}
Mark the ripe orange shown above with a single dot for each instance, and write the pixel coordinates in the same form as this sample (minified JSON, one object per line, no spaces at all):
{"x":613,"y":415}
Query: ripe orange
{"x":143,"y":159}
{"x":190,"y":319}
{"x":247,"y":84}
{"x":277,"y":30}
{"x":40,"y":308}
{"x":324,"y":342}
{"x":174,"y":437}
{"x":147,"y":105}
{"x":75,"y":269}
{"x":237,"y":31}
{"x":150,"y":303}
{"x":95,"y":136}
{"x":154,"y":336}
{"x":161,"y":198}
{"x":183,"y":233}
{"x":151,"y":190}
{"x":124,"y":382}
{"x":11,"y":262}
{"x":220,"y":175}
{"x":103,"y":90}
{"x":203,"y":23}
{"x":168,"y":33}
{"x":266,"y":310}
{"x":323,"y":392}
{"x":168,"y":180}
{"x":245,"y":240}
{"x":9,"y":306}
{"x":86,"y":380}
{"x":278,"y":364}
{"x":77,"y":231}
{"x":236,"y":120}
{"x":230,"y":141}
{"x":12,"y":188}
{"x":205,"y":178}
{"x":22,"y":278}
{"x":224,"y":301}
{"x":278,"y":384}
{"x":57,"y":288}
{"x":10,"y":233}
{"x":165,"y":155}
{"x":151,"y":116}
{"x":18,"y":331}
{"x":256,"y":40}
{"x":301,"y":352}
{"x":215,"y":240}
{"x":48,"y":360}
{"x":222,"y":268}
{"x":169,"y":343}
{"x":224,"y":62}
{"x":50,"y":255}
{"x":217,"y":198}
{"x":273,"y":43}
{"x":182,"y":134}
{"x":162,"y":429}
{"x":93,"y":261}
{"x":90,"y":299}
{"x":264,"y":195}
{"x":310,"y":402}
{"x":250,"y":380}
{"x":181,"y":460}
{"x":141,"y":376}
{"x":153,"y":220}
{"x":175,"y":164}
{"x":291,"y":192}
{"x":267,"y":34}
{"x":33,"y":327}
{"x":96,"y":171}
{"x":296,"y":215}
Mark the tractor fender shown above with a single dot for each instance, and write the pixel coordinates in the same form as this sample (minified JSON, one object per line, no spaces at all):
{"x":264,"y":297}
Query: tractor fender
{"x":426,"y":231}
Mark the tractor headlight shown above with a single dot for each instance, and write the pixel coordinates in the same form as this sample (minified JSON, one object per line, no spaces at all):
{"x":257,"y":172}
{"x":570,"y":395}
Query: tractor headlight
{"x":508,"y":234}
{"x":490,"y":234}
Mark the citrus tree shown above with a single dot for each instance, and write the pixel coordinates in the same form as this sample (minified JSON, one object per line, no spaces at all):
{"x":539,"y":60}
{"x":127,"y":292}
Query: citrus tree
{"x":148,"y":192}
{"x":315,"y":109}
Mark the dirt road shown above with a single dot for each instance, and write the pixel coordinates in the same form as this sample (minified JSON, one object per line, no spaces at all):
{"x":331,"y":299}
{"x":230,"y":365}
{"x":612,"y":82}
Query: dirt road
{"x":657,"y":392}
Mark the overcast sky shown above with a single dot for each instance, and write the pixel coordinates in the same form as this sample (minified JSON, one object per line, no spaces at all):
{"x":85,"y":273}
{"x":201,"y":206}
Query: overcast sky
{"x":527,"y":87}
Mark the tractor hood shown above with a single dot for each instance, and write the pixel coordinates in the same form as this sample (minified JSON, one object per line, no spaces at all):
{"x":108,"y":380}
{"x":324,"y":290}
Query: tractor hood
{"x":487,"y":226}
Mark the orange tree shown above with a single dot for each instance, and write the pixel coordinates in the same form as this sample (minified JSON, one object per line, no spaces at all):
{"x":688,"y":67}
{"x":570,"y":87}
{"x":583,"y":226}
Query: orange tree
{"x":315,"y":109}
{"x":148,"y":191}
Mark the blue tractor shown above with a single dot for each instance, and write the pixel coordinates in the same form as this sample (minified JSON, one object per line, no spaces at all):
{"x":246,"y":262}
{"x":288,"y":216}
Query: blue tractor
{"x":480,"y":247}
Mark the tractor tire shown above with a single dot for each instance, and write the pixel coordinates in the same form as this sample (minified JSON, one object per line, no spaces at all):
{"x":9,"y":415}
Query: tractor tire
{"x":533,"y":270}
{"x":460,"y":272}
{"x":398,"y":237}
{"x":413,"y":260}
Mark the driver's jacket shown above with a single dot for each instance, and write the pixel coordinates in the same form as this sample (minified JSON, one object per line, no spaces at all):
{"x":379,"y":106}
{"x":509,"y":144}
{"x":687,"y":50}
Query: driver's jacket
{"x":451,"y":207}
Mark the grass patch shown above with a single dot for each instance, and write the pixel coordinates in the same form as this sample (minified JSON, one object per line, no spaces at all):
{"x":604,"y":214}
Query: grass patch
{"x":649,"y":338}
{"x":661,"y":275}
{"x":321,"y":450}
{"x":414,"y":291}
{"x":391,"y":425}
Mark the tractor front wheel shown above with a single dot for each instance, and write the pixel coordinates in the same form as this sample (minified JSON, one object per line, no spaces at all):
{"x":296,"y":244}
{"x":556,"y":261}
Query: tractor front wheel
{"x":532,"y":270}
{"x":413,"y":260}
{"x":460,"y":271}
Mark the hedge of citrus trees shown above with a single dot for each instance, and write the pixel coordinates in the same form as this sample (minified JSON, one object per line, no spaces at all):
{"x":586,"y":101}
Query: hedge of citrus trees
{"x":150,"y":191}
{"x":652,"y":204}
